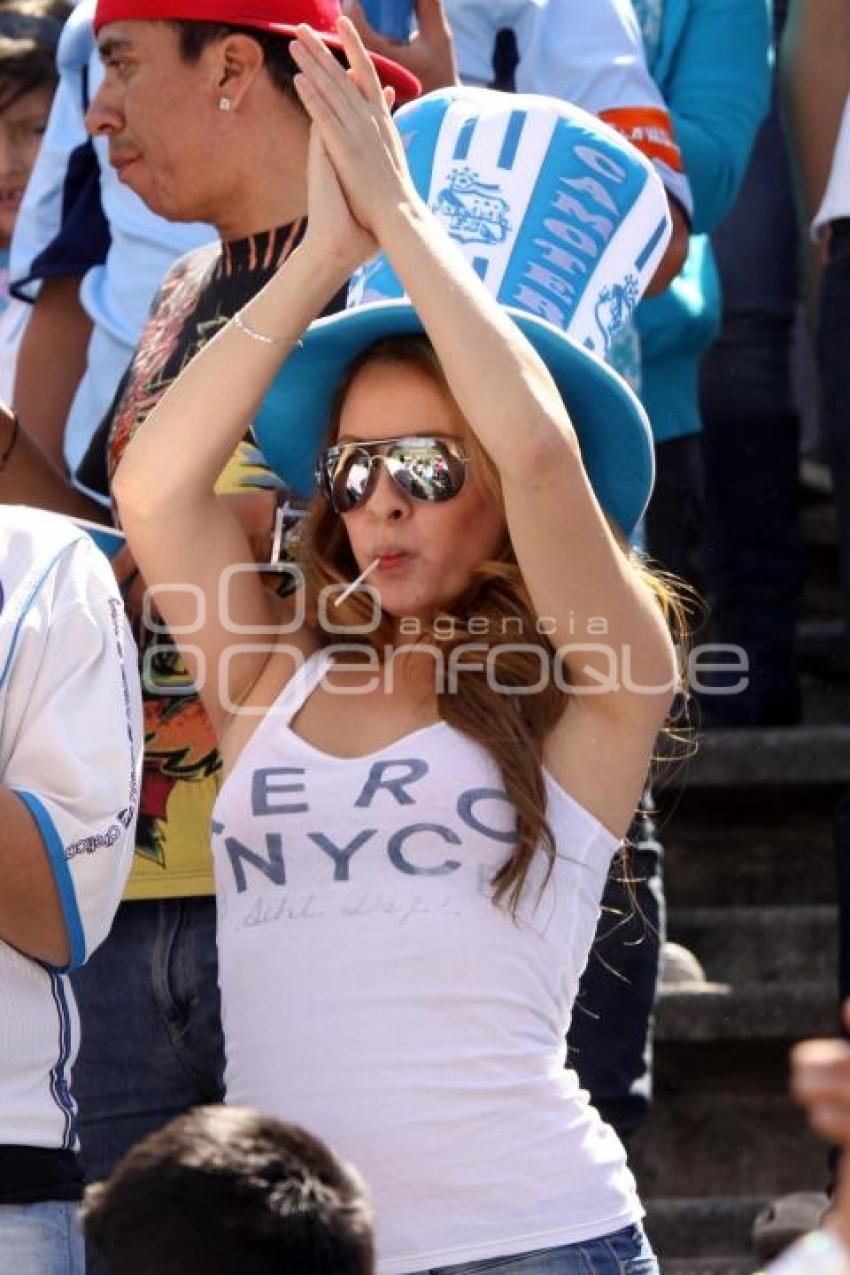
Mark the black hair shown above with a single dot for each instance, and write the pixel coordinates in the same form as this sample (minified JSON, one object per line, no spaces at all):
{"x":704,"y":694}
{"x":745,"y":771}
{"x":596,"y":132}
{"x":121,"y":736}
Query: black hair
{"x":224,"y":1189}
{"x":196,"y":36}
{"x":29,"y":34}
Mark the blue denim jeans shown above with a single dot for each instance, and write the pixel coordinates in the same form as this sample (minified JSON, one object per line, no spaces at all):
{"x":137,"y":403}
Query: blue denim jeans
{"x":626,"y":1252}
{"x":40,"y":1239}
{"x":151,"y":1028}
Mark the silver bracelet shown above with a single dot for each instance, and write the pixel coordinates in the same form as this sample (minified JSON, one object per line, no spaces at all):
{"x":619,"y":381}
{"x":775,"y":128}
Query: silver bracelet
{"x":244,"y":326}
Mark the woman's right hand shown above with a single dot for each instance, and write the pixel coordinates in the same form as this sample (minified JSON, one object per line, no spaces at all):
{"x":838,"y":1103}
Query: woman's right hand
{"x":332,"y":231}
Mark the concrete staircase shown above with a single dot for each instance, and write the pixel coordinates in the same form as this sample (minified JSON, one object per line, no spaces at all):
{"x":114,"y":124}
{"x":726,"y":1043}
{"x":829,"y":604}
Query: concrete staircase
{"x":747,"y":826}
{"x":750,"y":889}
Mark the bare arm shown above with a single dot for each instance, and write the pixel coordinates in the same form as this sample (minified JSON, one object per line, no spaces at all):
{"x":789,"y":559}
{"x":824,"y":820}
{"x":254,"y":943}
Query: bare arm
{"x":820,"y":1082}
{"x":602,"y":746}
{"x":675,"y":253}
{"x":72,"y":761}
{"x":815,"y":82}
{"x":547,"y":492}
{"x":197,"y":424}
{"x":519,"y":417}
{"x":56,"y":338}
{"x":30,"y":913}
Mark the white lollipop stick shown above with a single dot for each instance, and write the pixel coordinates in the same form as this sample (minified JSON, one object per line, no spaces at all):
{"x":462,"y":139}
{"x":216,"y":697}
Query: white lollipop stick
{"x":355,"y":584}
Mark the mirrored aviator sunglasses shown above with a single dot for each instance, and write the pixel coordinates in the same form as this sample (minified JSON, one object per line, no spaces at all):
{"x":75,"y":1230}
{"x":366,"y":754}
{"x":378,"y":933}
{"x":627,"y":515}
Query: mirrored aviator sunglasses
{"x":426,"y":469}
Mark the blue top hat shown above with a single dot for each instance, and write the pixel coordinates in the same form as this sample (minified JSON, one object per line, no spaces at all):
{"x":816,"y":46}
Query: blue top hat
{"x":563,"y":220}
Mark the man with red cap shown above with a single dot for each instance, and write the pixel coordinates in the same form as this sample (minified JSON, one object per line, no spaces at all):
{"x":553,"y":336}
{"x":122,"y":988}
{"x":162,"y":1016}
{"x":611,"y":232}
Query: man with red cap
{"x":201,"y":121}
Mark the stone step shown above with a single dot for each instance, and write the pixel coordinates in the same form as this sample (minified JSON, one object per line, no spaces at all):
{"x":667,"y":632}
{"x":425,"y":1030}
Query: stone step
{"x":746,"y":945}
{"x":826,"y":687}
{"x":702,"y":1230}
{"x":710,"y":1144}
{"x":782,"y":756}
{"x":818,"y":525}
{"x":723,"y":1125}
{"x":818,"y":637}
{"x":762,"y":849}
{"x":753,"y":1011}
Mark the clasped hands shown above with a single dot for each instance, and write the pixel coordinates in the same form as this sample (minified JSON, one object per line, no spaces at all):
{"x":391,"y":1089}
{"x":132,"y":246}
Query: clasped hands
{"x":357,"y":179}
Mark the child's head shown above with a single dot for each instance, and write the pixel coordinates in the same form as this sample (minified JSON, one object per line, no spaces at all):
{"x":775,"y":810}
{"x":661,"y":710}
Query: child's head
{"x":226,"y":1189}
{"x":29,"y":33}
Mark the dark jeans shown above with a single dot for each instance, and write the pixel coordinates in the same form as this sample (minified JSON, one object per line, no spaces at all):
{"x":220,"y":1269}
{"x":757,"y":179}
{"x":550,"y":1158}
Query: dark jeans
{"x":834,"y":367}
{"x":610,"y":1038}
{"x":841,"y":845}
{"x":752,"y":551}
{"x":151,"y":1028}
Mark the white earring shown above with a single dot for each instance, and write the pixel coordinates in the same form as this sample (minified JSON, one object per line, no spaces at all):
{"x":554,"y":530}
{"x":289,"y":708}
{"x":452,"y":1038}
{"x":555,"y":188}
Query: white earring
{"x":225,"y":104}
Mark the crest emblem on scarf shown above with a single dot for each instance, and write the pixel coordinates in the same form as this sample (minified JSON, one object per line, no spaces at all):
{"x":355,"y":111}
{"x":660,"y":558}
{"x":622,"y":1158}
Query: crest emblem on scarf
{"x":473,"y":211}
{"x":614,"y":307}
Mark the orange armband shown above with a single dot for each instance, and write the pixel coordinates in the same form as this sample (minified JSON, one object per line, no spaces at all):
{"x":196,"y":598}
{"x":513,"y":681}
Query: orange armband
{"x":650,"y":130}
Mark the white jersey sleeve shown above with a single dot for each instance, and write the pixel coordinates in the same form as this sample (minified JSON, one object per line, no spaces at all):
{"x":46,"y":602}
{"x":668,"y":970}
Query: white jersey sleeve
{"x":589,"y":52}
{"x":70,"y":714}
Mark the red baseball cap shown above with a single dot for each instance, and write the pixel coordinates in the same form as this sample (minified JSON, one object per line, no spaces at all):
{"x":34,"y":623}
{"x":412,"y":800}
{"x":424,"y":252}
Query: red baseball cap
{"x":281,"y":17}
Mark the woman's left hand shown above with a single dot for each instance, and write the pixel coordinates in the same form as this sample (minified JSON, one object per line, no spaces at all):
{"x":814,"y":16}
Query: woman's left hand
{"x":351,"y":113}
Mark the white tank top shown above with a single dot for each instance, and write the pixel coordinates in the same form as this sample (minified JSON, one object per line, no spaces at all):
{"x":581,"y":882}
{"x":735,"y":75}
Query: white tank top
{"x":372,"y":991}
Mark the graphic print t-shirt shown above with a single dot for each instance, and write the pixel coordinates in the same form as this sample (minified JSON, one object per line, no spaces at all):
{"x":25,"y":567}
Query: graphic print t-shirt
{"x":182,"y":766}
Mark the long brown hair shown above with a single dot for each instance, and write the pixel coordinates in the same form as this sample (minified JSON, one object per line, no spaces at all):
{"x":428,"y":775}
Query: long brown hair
{"x":510,"y":727}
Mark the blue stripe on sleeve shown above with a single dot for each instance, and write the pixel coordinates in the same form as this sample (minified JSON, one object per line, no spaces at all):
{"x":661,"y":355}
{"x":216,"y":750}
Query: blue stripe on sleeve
{"x":62,"y":876}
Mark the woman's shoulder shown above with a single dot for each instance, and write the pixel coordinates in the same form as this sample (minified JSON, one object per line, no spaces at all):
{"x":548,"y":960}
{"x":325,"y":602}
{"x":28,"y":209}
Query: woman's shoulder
{"x":599,"y":764}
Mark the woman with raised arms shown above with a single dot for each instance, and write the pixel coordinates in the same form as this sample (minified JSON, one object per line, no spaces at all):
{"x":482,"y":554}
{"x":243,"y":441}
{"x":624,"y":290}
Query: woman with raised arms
{"x":413,"y":832}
